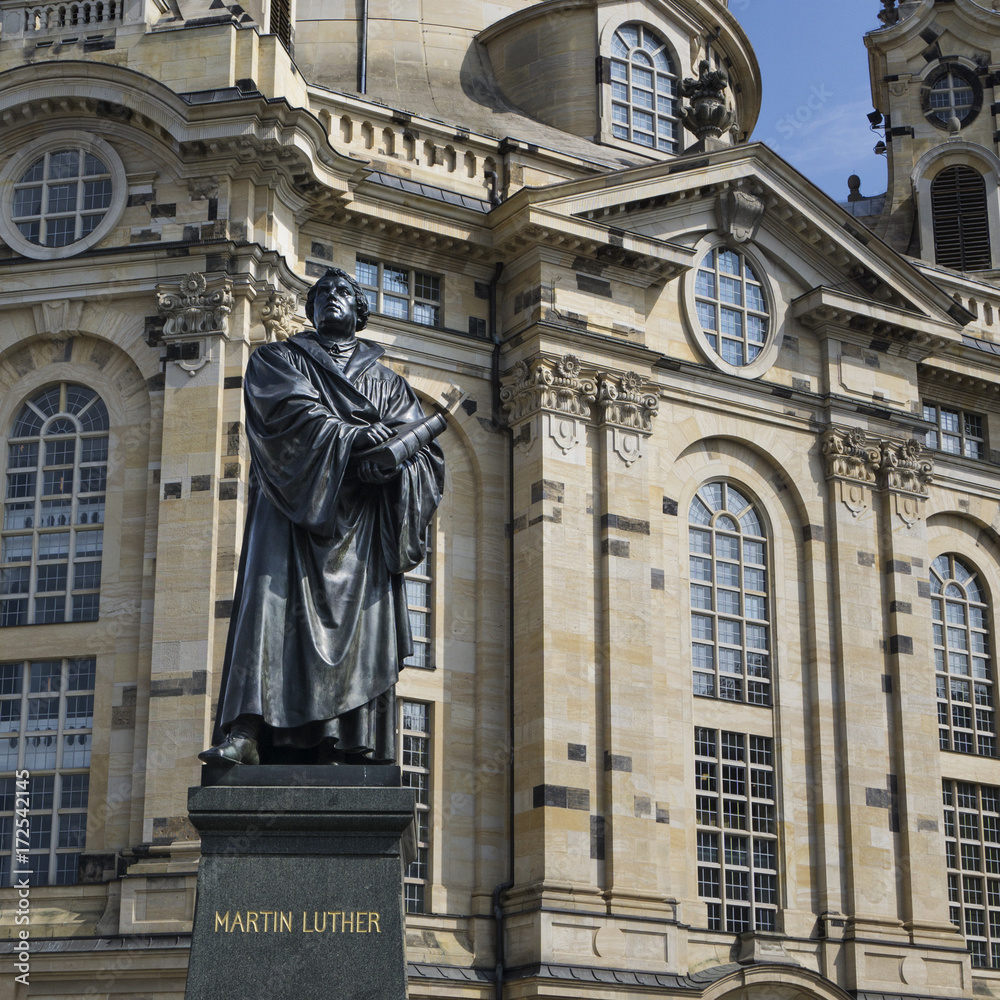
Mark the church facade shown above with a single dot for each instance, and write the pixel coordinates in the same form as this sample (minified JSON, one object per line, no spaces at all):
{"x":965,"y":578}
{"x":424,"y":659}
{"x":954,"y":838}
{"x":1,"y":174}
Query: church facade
{"x":702,"y":702}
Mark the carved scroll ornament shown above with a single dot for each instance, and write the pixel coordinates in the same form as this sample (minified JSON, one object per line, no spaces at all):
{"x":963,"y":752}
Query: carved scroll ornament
{"x":545,"y":385}
{"x":193,"y":309}
{"x":850,"y":456}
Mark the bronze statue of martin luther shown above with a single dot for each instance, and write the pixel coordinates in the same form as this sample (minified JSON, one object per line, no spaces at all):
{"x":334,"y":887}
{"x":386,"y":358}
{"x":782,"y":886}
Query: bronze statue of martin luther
{"x":337,"y":512}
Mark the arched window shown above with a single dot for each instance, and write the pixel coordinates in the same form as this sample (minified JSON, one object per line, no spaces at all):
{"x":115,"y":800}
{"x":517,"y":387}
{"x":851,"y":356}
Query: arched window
{"x":964,"y":676}
{"x":730,"y":628}
{"x":643,"y":89}
{"x":53,"y":535}
{"x":960,"y":219}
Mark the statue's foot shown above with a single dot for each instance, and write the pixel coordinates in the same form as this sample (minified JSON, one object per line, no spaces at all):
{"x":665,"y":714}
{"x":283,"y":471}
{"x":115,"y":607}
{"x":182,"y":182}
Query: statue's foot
{"x":233,"y":749}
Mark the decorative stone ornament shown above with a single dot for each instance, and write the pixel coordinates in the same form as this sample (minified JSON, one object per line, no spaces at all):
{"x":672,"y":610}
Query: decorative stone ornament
{"x":907,"y":474}
{"x":740,"y":210}
{"x":628,"y":408}
{"x":555,"y":390}
{"x":278,"y":315}
{"x":852,"y":464}
{"x":858,"y":465}
{"x":193,"y":316}
{"x":707,"y":116}
{"x":850,"y":456}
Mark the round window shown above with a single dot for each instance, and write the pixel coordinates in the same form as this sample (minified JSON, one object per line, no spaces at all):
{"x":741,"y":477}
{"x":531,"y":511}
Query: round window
{"x":62,"y":196}
{"x":731,"y":309}
{"x":952,"y":93}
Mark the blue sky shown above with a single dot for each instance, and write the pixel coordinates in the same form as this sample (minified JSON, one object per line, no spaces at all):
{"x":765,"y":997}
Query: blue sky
{"x":814,"y":67}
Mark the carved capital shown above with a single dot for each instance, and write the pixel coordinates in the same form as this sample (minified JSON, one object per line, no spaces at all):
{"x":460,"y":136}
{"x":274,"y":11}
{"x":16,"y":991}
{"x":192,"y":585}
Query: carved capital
{"x":850,"y":456}
{"x":194,"y":316}
{"x":194,"y":310}
{"x":277,"y":313}
{"x":627,"y":402}
{"x":627,"y":408}
{"x":545,"y":385}
{"x":905,"y":467}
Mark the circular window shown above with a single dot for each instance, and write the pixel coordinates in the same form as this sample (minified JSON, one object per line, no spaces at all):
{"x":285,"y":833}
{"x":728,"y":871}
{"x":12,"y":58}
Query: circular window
{"x":952,"y":93}
{"x":61,"y":196}
{"x":731,"y":312}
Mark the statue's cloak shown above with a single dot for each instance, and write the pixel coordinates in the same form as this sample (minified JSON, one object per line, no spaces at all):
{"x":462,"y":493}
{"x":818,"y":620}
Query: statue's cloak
{"x":320,"y":625}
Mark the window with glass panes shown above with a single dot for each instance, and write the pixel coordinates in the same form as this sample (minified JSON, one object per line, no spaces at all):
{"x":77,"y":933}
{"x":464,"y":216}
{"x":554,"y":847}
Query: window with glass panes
{"x":730,"y":630}
{"x":53,"y":517}
{"x":643,"y":89}
{"x":956,"y":431}
{"x":951,"y":95}
{"x":418,"y":603}
{"x":963,"y":672}
{"x":61,"y":198}
{"x":735,"y":803}
{"x":400,"y":292}
{"x":415,"y":738}
{"x":46,"y":720}
{"x":972,"y":847}
{"x":731,"y":306}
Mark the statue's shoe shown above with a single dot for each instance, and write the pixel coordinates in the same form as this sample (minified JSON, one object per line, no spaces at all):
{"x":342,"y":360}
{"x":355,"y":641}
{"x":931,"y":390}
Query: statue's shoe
{"x":232,"y":750}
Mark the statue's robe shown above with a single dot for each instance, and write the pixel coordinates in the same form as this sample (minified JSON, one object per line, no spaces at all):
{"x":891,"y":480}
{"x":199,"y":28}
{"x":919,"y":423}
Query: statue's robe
{"x":320,"y":625}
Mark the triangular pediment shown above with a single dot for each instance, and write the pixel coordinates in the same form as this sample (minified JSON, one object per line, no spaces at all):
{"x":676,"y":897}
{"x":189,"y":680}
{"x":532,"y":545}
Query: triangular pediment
{"x":746,"y":194}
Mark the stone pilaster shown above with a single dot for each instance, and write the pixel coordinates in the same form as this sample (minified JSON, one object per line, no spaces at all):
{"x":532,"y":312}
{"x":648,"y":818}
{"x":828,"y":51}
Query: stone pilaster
{"x":548,"y":403}
{"x":625,"y":689}
{"x":196,"y":317}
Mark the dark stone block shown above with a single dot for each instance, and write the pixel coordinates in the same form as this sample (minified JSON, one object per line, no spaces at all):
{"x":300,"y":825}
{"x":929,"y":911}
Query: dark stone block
{"x":866,"y":558}
{"x":899,"y":566}
{"x":622,"y":523}
{"x":300,"y":883}
{"x":597,"y":838}
{"x":813,"y":533}
{"x":617,"y":762}
{"x":669,"y":506}
{"x":172,"y":687}
{"x":576,"y":751}
{"x":615,"y":547}
{"x":887,"y":683}
{"x":595,"y":286}
{"x":578,"y":798}
{"x":201,"y":484}
{"x":900,"y":644}
{"x":477,"y":327}
{"x":171,"y":491}
{"x":877,"y":798}
{"x":547,"y":489}
{"x":656,"y":579}
{"x":232,"y":382}
{"x":223,"y":609}
{"x":901,"y":607}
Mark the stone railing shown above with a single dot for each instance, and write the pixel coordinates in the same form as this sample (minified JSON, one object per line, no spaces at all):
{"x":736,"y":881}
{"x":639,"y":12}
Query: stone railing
{"x":77,"y":14}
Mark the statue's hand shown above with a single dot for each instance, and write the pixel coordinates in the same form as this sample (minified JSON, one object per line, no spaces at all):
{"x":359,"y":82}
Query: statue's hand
{"x":371,"y":435}
{"x":369,"y":472}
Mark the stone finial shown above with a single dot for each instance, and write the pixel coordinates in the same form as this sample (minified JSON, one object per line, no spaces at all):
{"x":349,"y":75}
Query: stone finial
{"x":850,"y":456}
{"x":707,"y":116}
{"x":193,"y":309}
{"x":278,"y":315}
{"x":906,"y":468}
{"x":546,"y":385}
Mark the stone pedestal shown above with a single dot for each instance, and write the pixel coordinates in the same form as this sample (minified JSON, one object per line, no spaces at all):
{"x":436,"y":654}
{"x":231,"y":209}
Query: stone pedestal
{"x":300,"y":883}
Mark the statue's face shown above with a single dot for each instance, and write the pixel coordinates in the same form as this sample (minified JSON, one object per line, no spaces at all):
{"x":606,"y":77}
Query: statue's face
{"x":335,"y":309}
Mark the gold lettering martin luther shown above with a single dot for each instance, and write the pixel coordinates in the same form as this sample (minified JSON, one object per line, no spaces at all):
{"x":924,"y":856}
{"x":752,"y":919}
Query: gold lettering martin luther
{"x":313,"y":922}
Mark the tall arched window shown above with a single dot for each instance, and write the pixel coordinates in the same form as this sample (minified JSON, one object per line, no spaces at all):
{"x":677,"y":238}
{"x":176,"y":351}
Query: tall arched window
{"x":730,"y":628}
{"x":960,"y":218}
{"x":643,"y":89}
{"x":53,"y":535}
{"x":964,"y":676}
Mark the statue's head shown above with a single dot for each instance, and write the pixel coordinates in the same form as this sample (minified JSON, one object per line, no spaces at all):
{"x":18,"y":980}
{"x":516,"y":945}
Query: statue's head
{"x":363,"y":309}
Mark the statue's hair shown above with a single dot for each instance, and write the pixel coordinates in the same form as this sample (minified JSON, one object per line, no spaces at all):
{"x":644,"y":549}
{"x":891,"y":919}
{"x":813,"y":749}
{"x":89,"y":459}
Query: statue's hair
{"x":359,"y":294}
